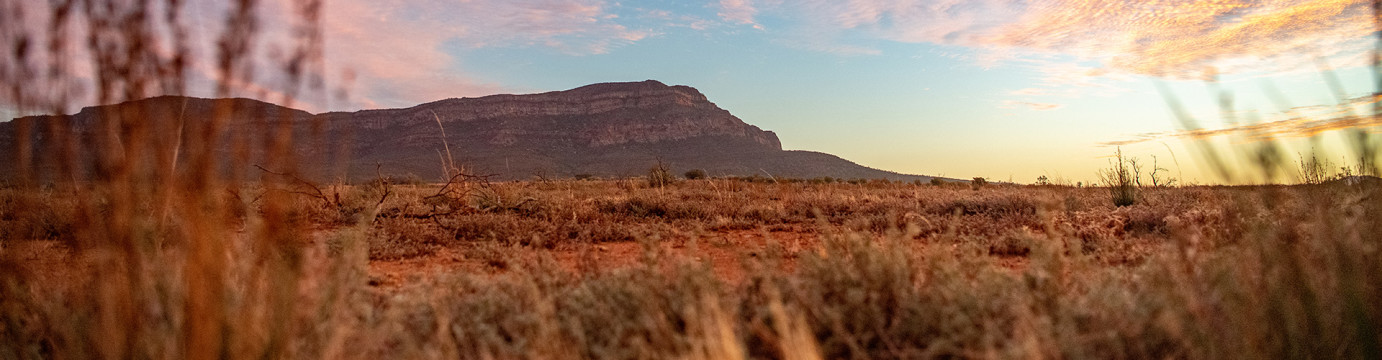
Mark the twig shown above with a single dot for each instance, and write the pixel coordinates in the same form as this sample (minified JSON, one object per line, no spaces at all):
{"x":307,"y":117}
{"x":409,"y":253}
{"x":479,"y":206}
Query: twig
{"x":445,"y":188}
{"x":447,"y":191}
{"x":316,"y":190}
{"x":388,"y":190}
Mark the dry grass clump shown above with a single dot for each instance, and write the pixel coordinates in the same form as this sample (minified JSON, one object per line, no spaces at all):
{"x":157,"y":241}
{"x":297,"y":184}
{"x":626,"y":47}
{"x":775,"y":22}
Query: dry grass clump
{"x":991,"y":204}
{"x":867,"y":299}
{"x":402,"y":239}
{"x":652,"y":207}
{"x":1120,"y":179}
{"x":43,"y":214}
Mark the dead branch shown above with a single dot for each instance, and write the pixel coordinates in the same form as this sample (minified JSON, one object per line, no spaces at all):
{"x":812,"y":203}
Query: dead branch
{"x":316,"y":191}
{"x":456,"y":180}
{"x":384,"y":183}
{"x":451,"y":190}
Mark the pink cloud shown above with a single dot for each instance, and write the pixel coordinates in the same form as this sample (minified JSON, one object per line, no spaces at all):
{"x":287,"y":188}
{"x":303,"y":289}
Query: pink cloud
{"x":737,"y":11}
{"x":1093,"y":47}
{"x":1181,"y":38}
{"x":1176,"y":38}
{"x":384,"y":53}
{"x":396,"y":49}
{"x":393,"y":54}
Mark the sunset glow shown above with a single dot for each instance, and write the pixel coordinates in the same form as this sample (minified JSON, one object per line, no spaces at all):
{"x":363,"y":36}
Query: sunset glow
{"x":996,"y":88}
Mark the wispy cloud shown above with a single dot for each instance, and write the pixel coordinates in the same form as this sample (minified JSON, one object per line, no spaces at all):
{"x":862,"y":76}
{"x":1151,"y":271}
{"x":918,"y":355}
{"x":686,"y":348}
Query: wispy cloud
{"x":1034,"y":106}
{"x":738,"y":11}
{"x":1302,"y":122}
{"x":1173,"y":38}
{"x":398,"y":51}
{"x":668,"y":19}
{"x":1080,"y":48}
{"x":1181,"y":38}
{"x":386,"y":53}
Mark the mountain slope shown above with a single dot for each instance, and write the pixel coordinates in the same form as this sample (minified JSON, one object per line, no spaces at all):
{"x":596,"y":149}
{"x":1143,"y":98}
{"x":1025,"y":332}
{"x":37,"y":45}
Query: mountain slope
{"x":609,"y":129}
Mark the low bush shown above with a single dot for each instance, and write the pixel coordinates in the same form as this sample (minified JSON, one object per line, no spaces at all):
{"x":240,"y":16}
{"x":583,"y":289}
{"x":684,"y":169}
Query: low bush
{"x":660,"y":175}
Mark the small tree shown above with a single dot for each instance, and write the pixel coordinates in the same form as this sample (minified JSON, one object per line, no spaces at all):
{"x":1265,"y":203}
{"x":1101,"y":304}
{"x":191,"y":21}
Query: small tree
{"x":1157,"y":180}
{"x":694,"y":174}
{"x":1042,"y":180}
{"x":659,"y":175}
{"x":1135,"y":168}
{"x":978,"y":182}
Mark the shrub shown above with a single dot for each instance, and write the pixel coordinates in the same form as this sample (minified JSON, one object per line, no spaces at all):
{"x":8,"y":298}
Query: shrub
{"x":1119,"y":179}
{"x":403,"y":239}
{"x":650,"y":207}
{"x":36,"y":216}
{"x":978,"y":182}
{"x":1313,"y":170}
{"x":694,"y":174}
{"x":409,"y":179}
{"x":937,"y":182}
{"x":659,"y":175}
{"x":993,"y":206}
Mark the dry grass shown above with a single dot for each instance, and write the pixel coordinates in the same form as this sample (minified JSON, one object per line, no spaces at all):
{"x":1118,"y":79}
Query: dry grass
{"x":889,"y":270}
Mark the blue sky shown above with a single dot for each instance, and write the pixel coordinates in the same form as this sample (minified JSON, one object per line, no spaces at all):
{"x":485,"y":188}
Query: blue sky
{"x":1004,"y":89}
{"x":941,"y":97}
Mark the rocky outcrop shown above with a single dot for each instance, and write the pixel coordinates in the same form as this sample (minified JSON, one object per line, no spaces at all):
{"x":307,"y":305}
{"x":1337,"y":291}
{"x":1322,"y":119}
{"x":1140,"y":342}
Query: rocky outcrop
{"x":609,"y":129}
{"x":593,"y":115}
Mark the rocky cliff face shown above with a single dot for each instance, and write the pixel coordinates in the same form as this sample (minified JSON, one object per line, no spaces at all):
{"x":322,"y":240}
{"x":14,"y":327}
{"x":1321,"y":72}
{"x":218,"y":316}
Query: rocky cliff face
{"x":609,"y":129}
{"x":594,"y":116}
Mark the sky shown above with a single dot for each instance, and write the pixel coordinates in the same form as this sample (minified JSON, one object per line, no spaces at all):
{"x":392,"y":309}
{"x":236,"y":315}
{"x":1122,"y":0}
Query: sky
{"x":1010,"y":90}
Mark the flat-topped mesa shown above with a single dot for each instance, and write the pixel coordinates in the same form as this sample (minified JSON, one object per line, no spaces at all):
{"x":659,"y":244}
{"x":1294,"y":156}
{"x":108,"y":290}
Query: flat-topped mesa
{"x":594,"y":115}
{"x":608,"y":129}
{"x":584,"y":101}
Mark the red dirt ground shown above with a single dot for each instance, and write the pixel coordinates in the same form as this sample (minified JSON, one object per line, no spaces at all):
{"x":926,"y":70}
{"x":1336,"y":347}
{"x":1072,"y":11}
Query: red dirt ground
{"x":726,"y":252}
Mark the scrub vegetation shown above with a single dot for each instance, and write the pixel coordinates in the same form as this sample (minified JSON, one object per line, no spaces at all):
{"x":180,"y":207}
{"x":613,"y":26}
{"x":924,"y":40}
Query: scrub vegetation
{"x":714,"y":268}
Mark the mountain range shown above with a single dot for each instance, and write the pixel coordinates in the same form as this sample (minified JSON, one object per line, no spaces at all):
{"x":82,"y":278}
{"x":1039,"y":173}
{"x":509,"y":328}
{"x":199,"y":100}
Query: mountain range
{"x":604,"y":130}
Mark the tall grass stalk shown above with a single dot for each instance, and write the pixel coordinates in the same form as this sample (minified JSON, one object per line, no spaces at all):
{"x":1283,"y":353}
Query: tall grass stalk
{"x":1120,"y":180}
